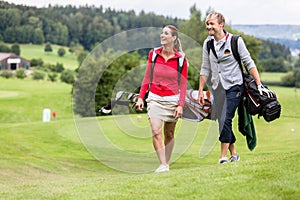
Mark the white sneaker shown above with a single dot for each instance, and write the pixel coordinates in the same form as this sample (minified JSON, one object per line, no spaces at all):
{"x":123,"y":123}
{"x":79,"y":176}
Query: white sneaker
{"x":162,"y":168}
{"x":223,"y":160}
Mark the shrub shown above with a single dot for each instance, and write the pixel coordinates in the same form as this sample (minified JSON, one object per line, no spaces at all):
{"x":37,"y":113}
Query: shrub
{"x":48,"y":47}
{"x":61,"y":52}
{"x":292,"y":79}
{"x":20,"y":73}
{"x":6,"y":74}
{"x":36,"y":62}
{"x":38,"y":75}
{"x":67,"y":76}
{"x":57,"y":68}
{"x":52,"y":77}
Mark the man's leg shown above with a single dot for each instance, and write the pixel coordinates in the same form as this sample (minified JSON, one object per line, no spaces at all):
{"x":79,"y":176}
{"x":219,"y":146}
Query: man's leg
{"x":232,"y":149}
{"x":227,"y":138}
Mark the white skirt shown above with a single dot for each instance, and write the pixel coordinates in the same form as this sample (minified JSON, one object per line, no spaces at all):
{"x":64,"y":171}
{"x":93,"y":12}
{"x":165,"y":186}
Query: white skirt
{"x":163,"y":110}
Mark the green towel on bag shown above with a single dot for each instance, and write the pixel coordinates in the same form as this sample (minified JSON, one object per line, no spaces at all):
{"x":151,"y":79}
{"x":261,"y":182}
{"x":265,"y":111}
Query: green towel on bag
{"x":246,"y":126}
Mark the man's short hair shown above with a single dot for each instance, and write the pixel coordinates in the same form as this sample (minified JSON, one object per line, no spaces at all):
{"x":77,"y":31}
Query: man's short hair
{"x":219,"y":16}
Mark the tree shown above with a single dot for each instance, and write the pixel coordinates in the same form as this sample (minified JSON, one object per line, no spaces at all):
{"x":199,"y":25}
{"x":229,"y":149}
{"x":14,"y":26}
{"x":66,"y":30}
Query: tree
{"x":59,"y":67}
{"x":121,"y":74}
{"x":48,"y":47}
{"x":9,"y":18}
{"x":292,"y":79}
{"x":10,"y":35}
{"x":103,"y":73}
{"x":36,"y":62}
{"x":76,"y":48}
{"x":297,"y":63}
{"x":22,"y":34}
{"x":67,"y":76}
{"x":61,"y":52}
{"x":72,"y":47}
{"x":82,"y":55}
{"x":97,"y":31}
{"x":274,"y":65}
{"x":274,"y":50}
{"x":4,"y":48}
{"x":52,"y":77}
{"x":38,"y":36}
{"x":57,"y":33}
{"x":15,"y":48}
{"x":194,"y":27}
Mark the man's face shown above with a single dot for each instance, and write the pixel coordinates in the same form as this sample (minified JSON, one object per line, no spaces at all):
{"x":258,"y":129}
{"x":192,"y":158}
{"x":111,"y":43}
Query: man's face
{"x":213,"y":27}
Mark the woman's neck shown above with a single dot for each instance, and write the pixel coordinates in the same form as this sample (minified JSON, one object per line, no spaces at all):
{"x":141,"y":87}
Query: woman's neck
{"x":168,"y":50}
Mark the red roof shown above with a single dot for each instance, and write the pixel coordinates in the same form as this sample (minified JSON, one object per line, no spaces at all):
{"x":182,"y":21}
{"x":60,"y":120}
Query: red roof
{"x":4,"y":56}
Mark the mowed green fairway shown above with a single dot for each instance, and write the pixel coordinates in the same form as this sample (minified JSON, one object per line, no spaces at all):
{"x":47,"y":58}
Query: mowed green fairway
{"x":41,"y":160}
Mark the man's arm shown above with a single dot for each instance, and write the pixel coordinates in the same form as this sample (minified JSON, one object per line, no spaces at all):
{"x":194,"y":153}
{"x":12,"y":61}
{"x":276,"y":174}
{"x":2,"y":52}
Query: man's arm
{"x":202,"y":82}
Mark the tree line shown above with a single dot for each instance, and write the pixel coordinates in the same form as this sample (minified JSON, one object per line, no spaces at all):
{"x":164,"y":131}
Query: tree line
{"x":86,"y":25}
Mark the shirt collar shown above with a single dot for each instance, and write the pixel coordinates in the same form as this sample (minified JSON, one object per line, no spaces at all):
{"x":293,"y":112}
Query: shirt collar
{"x":177,"y":53}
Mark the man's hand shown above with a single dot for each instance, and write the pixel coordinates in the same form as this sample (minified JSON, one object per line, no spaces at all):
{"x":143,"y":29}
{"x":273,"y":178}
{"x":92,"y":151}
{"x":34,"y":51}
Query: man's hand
{"x":262,"y":90}
{"x":200,"y":98}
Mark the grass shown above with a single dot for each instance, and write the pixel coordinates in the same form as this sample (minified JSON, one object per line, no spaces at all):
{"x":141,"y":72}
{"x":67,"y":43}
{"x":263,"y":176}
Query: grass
{"x":30,"y":51}
{"x":272,"y":77}
{"x":51,"y":161}
{"x":24,"y":100}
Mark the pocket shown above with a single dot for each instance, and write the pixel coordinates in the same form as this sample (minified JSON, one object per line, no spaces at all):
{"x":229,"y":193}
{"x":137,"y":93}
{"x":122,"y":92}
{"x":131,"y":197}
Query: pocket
{"x":235,"y":92}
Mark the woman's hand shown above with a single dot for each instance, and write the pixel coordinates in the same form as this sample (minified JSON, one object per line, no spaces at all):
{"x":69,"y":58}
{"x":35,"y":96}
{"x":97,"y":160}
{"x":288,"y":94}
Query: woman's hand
{"x":139,"y":104}
{"x":178,"y":112}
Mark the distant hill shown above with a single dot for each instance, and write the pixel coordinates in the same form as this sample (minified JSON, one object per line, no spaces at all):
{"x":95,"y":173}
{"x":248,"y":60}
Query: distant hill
{"x":288,"y":35}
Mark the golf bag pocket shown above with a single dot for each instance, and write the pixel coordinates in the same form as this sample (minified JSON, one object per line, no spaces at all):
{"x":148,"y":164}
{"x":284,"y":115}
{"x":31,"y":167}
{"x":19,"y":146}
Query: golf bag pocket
{"x":271,"y":111}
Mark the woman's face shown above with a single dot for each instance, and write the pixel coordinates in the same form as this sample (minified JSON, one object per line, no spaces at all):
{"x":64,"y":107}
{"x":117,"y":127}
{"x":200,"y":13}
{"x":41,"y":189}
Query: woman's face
{"x":166,"y":36}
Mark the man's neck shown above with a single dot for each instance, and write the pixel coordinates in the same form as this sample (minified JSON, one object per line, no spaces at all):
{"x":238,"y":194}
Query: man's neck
{"x":219,"y":36}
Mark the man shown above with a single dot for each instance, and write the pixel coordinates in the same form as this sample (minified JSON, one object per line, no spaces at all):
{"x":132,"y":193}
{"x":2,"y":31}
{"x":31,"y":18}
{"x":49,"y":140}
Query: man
{"x":222,"y":72}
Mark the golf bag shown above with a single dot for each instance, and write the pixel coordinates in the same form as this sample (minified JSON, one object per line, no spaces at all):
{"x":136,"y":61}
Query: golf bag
{"x":192,"y":111}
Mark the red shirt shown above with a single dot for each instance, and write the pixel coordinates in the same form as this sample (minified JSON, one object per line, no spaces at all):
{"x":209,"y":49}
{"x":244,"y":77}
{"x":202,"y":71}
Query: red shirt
{"x":165,"y":77}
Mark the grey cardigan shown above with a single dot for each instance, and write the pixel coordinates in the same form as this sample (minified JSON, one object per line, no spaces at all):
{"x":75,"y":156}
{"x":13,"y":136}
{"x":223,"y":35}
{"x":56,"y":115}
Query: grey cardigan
{"x":225,"y":69}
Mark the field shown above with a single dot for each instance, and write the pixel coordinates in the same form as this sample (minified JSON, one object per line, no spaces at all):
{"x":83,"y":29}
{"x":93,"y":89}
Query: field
{"x":53,"y":160}
{"x":271,"y":77}
{"x":37,"y":52}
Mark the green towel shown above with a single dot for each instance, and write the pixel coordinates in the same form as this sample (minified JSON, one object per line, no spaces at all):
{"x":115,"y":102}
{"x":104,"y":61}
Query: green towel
{"x":246,"y":126}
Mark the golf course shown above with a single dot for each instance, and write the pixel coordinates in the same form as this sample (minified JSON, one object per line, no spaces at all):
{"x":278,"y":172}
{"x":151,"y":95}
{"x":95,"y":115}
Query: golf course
{"x":61,"y":159}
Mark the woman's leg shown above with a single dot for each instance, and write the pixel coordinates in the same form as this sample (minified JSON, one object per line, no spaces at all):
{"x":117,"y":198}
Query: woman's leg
{"x":157,"y":140}
{"x":169,"y":130}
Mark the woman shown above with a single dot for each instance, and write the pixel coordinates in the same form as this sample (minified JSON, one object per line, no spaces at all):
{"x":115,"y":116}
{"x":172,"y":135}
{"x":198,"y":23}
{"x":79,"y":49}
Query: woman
{"x":166,"y":93}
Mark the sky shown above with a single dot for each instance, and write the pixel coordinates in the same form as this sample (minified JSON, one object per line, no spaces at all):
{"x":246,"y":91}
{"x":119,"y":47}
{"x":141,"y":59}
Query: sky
{"x":235,"y":11}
